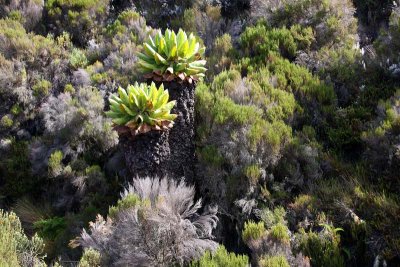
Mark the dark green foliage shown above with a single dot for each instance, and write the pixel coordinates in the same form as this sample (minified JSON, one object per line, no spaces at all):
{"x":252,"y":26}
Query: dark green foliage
{"x":50,"y":228}
{"x":15,"y":171}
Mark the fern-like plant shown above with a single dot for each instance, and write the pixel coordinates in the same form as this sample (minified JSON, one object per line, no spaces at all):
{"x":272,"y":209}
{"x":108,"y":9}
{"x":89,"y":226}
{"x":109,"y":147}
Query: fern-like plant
{"x":141,"y":108}
{"x":172,"y":57}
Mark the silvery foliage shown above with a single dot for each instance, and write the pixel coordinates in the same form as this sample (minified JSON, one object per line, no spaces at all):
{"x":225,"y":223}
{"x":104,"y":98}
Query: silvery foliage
{"x":164,"y":230}
{"x":73,"y":125}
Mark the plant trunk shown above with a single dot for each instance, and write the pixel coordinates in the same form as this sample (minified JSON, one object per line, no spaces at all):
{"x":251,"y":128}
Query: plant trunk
{"x":181,"y":137}
{"x":170,"y":153}
{"x":147,"y":154}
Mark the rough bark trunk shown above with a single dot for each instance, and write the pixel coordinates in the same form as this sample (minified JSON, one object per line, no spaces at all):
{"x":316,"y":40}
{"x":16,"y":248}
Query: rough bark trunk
{"x":170,"y":153}
{"x":147,"y":154}
{"x":181,"y":138}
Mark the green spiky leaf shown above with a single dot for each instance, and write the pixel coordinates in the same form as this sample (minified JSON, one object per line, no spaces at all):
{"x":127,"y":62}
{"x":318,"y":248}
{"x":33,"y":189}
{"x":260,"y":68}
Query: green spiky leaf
{"x":172,"y":54}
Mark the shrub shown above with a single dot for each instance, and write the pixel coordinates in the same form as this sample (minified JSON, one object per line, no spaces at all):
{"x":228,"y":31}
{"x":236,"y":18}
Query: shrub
{"x":322,"y":248}
{"x":6,"y":121}
{"x":221,"y":257}
{"x":159,"y":13}
{"x":332,"y":21}
{"x":172,"y":56}
{"x":280,"y":233}
{"x":78,"y":59}
{"x":83,"y":19}
{"x":271,"y":218}
{"x":90,"y":258}
{"x":274,"y":261}
{"x":16,"y":249}
{"x":28,"y":12}
{"x":55,"y":165}
{"x":259,"y":41}
{"x":15,"y":167}
{"x":141,"y":108}
{"x":51,"y":228}
{"x":162,"y":229}
{"x":41,"y":88}
{"x":388,"y":42}
{"x":253,"y":231}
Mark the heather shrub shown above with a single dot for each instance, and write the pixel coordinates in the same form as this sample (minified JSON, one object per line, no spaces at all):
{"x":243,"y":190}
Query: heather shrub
{"x":274,"y":261}
{"x":253,"y":231}
{"x":270,"y":240}
{"x":221,"y":257}
{"x":28,"y":12}
{"x":15,"y":167}
{"x":83,"y":19}
{"x":16,"y":249}
{"x":114,"y":52}
{"x":161,"y":227}
{"x":76,"y":120}
{"x":332,"y":22}
{"x":220,"y":56}
{"x":323,"y":248}
{"x":374,"y":13}
{"x":259,"y":41}
{"x":51,"y":228}
{"x":235,"y":8}
{"x":205,"y":22}
{"x":90,"y":258}
{"x":382,"y":138}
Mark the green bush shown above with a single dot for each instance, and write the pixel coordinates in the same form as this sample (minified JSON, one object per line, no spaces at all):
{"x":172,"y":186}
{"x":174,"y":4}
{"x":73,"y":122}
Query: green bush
{"x":274,"y":261}
{"x":16,"y":249}
{"x":51,"y":228}
{"x":259,"y":41}
{"x":253,"y":231}
{"x":322,"y":248}
{"x":280,"y":232}
{"x":41,"y":88}
{"x":90,"y":258}
{"x":221,"y":258}
{"x":6,"y":121}
{"x":54,"y":163}
{"x":78,"y":59}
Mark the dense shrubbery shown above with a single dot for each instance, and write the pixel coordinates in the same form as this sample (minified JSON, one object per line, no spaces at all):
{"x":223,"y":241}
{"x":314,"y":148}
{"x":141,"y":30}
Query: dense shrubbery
{"x":16,"y":249}
{"x":83,"y":19}
{"x":297,"y":132}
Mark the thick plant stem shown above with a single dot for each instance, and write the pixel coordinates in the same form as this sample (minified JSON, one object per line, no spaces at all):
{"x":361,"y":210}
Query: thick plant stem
{"x":147,"y":154}
{"x":181,"y":138}
{"x":171,"y":152}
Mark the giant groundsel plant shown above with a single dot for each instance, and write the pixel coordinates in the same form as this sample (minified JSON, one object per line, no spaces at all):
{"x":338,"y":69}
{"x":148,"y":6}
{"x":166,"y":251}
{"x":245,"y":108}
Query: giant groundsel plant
{"x":172,"y":56}
{"x":141,"y":108}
